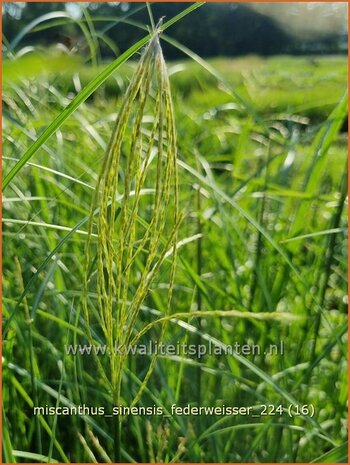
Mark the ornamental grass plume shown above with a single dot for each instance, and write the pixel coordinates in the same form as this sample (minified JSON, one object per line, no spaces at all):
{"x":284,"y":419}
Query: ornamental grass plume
{"x":135,"y":215}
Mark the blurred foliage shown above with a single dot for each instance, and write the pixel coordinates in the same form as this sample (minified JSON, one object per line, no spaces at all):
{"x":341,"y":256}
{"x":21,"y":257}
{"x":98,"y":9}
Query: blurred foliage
{"x":220,"y":29}
{"x":36,"y":64}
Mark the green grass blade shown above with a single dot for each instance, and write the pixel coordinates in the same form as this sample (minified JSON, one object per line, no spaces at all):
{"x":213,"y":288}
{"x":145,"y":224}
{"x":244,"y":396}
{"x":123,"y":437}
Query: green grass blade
{"x":35,"y":22}
{"x":32,"y":456}
{"x":212,"y":185}
{"x":337,"y":455}
{"x":41,"y":267}
{"x":6,"y":441}
{"x":85,"y":93}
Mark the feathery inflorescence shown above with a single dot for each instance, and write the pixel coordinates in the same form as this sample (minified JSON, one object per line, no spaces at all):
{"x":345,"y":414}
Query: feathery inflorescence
{"x":134,"y":213}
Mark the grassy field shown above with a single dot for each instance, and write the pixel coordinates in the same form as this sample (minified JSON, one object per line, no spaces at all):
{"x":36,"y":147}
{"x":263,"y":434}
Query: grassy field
{"x":261,"y":260}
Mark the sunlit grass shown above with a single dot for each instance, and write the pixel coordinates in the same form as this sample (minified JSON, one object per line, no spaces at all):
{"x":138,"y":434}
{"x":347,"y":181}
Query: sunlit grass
{"x":262,"y":182}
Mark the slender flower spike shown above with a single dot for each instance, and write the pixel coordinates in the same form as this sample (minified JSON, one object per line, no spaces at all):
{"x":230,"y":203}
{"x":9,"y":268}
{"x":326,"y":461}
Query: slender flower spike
{"x":134,"y":212}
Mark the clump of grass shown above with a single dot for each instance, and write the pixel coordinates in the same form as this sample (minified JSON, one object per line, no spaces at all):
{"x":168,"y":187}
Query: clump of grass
{"x":262,"y":149}
{"x":139,"y":160}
